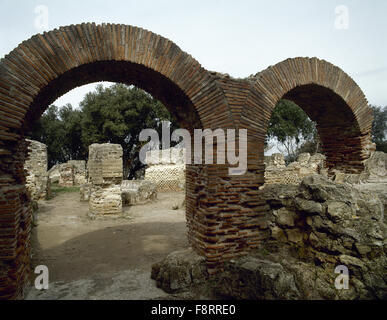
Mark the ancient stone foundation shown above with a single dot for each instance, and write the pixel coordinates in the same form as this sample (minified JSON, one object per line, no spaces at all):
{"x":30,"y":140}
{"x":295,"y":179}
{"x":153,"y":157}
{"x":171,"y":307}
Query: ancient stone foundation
{"x":37,"y":181}
{"x":166,"y":168}
{"x":313,"y":228}
{"x":105,"y":175}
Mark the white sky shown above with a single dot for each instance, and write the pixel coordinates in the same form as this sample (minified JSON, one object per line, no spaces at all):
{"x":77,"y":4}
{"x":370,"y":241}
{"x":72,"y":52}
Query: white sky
{"x":236,"y":37}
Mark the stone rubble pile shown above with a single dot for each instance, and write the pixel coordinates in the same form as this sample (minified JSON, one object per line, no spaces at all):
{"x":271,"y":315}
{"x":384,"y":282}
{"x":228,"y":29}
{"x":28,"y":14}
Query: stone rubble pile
{"x":71,"y":173}
{"x":314,"y":227}
{"x":137,"y":192}
{"x":276,"y":170}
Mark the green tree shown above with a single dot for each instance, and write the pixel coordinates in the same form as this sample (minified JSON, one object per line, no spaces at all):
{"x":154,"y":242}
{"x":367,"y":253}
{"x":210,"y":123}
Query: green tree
{"x":291,"y":126}
{"x":117,"y":114}
{"x":59,"y":129}
{"x":379,"y":128}
{"x":72,"y":144}
{"x":49,"y":130}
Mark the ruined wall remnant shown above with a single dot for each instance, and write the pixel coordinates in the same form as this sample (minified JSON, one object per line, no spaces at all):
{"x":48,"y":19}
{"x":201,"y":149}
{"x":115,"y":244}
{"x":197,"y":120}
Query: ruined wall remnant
{"x":54,"y":173}
{"x":80,"y":172}
{"x":277,"y":172}
{"x":37,"y":182}
{"x":105,"y":175}
{"x":166,"y":168}
{"x":66,"y":175}
{"x":71,"y":173}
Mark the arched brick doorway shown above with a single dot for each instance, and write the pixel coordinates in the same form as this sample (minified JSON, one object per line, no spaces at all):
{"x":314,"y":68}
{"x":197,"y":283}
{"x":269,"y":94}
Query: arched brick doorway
{"x":329,"y":97}
{"x":45,"y":67}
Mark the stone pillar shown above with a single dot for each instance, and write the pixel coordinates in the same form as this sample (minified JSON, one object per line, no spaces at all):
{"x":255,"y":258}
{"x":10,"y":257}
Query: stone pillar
{"x":37,"y":181}
{"x":105,"y":175}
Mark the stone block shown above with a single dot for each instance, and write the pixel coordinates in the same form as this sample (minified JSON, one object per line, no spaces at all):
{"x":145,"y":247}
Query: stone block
{"x":105,"y":164}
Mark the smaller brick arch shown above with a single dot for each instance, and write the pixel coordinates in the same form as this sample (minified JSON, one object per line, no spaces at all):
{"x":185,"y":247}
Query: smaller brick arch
{"x":328,"y":95}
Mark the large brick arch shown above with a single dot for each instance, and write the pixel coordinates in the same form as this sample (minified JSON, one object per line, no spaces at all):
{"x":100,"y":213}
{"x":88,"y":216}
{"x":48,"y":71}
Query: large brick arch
{"x":327,"y":94}
{"x":48,"y":65}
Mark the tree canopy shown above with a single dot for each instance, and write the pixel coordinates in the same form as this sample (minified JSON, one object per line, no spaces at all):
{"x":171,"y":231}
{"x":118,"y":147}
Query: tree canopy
{"x":379,"y":128}
{"x":115,"y":114}
{"x":292,"y":128}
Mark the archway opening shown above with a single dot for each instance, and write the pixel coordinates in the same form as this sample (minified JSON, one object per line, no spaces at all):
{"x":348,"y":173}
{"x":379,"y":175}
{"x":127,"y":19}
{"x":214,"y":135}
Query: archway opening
{"x":336,"y":125}
{"x":125,"y":72}
{"x":65,"y":240}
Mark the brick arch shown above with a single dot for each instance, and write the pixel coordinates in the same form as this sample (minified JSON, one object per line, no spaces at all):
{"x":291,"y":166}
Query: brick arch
{"x":328,"y":95}
{"x":48,"y":65}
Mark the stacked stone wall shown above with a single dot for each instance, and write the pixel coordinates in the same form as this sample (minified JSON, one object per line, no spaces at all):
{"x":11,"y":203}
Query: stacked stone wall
{"x":37,"y":181}
{"x":105,"y":175}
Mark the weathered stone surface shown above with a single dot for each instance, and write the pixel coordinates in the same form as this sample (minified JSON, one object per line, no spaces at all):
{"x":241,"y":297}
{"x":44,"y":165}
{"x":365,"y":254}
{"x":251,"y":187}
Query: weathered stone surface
{"x":105,"y":200}
{"x":71,"y":173}
{"x":298,"y":261}
{"x":375,"y":171}
{"x":105,"y":176}
{"x":54,"y":173}
{"x":276,"y":160}
{"x":284,"y":217}
{"x":335,"y":224}
{"x":252,"y":278}
{"x":80,"y":174}
{"x":179,"y":271}
{"x":137,"y":191}
{"x":85,"y":192}
{"x":105,"y":164}
{"x":66,"y":175}
{"x":37,"y":181}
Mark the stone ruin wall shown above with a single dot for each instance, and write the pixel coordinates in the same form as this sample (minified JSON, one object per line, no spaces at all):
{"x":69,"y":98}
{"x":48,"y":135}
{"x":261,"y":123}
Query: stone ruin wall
{"x":373,"y":178}
{"x":37,"y":181}
{"x":71,"y":173}
{"x":105,"y":177}
{"x":166,"y":169}
{"x":277,"y":172}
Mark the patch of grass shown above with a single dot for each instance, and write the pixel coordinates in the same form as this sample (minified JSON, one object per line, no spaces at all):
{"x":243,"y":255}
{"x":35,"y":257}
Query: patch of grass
{"x":56,"y":189}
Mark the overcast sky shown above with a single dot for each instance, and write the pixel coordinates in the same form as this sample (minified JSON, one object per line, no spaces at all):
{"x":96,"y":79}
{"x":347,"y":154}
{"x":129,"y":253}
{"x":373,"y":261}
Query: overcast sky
{"x":235,"y":37}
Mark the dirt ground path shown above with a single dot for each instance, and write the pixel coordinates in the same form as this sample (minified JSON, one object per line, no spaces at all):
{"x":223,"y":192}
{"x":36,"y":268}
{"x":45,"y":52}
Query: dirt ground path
{"x":106,"y":258}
